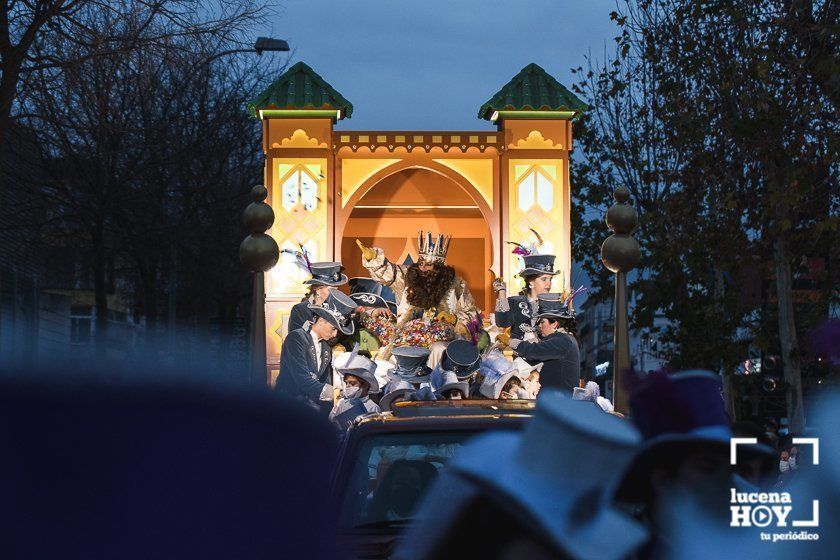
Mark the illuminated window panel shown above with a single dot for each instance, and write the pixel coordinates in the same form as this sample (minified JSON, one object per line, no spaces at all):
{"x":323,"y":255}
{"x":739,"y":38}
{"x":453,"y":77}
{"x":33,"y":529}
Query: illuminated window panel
{"x":291,"y":193}
{"x":308,"y":191}
{"x":545,"y":192}
{"x":526,"y":191}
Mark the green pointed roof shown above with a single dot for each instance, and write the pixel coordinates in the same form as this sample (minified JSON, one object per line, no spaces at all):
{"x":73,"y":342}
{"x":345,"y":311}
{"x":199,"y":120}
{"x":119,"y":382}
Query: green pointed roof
{"x":533,"y":89}
{"x":300,"y":88}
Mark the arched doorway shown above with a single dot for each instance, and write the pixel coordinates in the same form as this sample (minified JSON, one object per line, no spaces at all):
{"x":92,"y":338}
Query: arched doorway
{"x":390,"y":214}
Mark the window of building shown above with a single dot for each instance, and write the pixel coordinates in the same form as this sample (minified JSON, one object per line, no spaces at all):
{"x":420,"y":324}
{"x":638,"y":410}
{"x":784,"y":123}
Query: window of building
{"x":535,"y":187}
{"x":300,"y":188}
{"x":81,"y":324}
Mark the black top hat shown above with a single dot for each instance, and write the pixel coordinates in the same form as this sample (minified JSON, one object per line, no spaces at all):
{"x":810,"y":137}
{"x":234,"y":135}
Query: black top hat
{"x":411,"y":363}
{"x":462,"y":358}
{"x":368,"y":292}
{"x":538,"y":265}
{"x":326,"y":274}
{"x":336,"y":309}
{"x":553,"y":307}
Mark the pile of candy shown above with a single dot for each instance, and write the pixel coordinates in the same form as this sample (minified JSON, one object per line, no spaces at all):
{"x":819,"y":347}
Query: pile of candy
{"x":422,"y":333}
{"x":382,"y":327}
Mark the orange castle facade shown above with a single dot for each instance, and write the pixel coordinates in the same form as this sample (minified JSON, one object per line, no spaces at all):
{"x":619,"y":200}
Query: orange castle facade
{"x":328,"y":188}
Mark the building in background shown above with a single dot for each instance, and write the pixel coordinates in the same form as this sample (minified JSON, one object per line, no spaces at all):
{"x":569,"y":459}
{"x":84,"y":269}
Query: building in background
{"x":595,"y":323}
{"x":46,"y":294}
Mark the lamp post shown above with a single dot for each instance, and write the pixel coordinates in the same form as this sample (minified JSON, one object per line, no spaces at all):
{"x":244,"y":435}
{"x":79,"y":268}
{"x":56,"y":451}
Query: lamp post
{"x":620,"y":254}
{"x":261,"y":45}
{"x":259,"y":253}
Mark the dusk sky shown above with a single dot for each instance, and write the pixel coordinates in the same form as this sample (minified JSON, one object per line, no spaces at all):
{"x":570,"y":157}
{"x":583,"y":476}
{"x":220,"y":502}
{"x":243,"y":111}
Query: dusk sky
{"x":429,"y":65}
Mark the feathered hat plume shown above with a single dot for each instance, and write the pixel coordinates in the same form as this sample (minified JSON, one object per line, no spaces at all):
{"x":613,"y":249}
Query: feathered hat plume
{"x":532,"y":248}
{"x":301,"y":258}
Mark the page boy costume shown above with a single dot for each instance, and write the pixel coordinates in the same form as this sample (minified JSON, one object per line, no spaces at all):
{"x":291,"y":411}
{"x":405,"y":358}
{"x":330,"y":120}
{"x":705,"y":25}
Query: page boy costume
{"x":305,"y":363}
{"x":558,"y":351}
{"x":347,"y":409}
{"x":323,"y":274}
{"x":519,"y":312}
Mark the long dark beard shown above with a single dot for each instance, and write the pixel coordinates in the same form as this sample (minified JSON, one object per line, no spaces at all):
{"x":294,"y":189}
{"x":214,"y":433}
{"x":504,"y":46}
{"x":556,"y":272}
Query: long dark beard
{"x":426,"y":289}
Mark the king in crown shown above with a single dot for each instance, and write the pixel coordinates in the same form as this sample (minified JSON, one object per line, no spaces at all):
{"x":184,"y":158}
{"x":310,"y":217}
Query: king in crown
{"x":434,"y":304}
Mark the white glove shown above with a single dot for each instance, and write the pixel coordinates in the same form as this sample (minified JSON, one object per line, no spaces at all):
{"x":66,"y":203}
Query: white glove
{"x":327,"y":393}
{"x":499,"y":285}
{"x":514,"y":342}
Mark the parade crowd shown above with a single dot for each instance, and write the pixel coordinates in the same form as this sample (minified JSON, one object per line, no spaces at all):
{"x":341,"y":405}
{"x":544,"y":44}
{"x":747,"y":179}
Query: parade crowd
{"x":580,"y":481}
{"x":413,"y":332}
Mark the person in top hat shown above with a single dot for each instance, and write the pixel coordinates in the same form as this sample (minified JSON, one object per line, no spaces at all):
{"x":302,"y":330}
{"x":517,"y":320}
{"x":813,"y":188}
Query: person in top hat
{"x":412,"y":368}
{"x":305,"y":357}
{"x":502,"y":379}
{"x":396,"y":392}
{"x":447,"y":385}
{"x":434,"y":304}
{"x":359,"y":376}
{"x":530,"y":376}
{"x":450,"y":379}
{"x":522,"y":497}
{"x":683,"y":464}
{"x":375,"y":315}
{"x":323,"y":276}
{"x":557,"y":347}
{"x":519,"y":312}
{"x":461,"y":358}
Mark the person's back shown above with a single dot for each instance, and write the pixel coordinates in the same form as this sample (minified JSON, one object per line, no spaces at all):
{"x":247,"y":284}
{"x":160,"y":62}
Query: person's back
{"x":562,"y":370}
{"x":96,"y":470}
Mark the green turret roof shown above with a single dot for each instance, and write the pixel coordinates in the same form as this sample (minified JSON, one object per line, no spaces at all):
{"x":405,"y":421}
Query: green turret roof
{"x":301,"y":88}
{"x":533,"y":89}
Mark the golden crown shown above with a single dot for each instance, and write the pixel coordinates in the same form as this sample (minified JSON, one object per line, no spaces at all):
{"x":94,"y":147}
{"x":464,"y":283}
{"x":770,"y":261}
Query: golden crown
{"x":433,"y":249}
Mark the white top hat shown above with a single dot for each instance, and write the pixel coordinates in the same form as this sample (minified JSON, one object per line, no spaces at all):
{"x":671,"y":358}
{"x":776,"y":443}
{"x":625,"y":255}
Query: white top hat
{"x":524,"y":368}
{"x":352,"y":363}
{"x":569,"y":500}
{"x":497,"y":370}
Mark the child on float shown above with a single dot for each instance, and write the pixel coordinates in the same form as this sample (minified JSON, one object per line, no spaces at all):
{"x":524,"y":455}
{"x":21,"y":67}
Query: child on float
{"x":359,"y":377}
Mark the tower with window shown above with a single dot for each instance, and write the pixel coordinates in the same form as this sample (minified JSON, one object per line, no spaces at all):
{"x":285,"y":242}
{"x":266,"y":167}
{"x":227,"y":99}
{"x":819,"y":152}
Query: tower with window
{"x":486,"y":187}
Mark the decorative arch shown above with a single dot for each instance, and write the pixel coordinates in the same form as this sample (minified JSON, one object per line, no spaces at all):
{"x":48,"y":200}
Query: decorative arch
{"x":487,"y":213}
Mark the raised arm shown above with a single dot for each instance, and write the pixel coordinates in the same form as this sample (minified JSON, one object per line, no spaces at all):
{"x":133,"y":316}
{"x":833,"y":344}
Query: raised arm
{"x":502,"y":313}
{"x":382,"y":270}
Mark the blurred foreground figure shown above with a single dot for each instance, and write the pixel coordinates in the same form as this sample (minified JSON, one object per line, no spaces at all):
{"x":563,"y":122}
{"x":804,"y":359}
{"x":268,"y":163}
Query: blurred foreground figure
{"x":129,"y":471}
{"x":519,"y":496}
{"x":680,"y":478}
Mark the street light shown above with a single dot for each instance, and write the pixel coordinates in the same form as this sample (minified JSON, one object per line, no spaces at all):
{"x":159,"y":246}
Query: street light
{"x":262,"y":44}
{"x":270,"y":44}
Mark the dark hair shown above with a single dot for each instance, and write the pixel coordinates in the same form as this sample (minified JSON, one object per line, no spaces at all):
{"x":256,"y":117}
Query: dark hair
{"x":426,"y":289}
{"x":524,"y":291}
{"x":365,"y":385}
{"x":310,"y":292}
{"x":510,"y":382}
{"x":570,"y":324}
